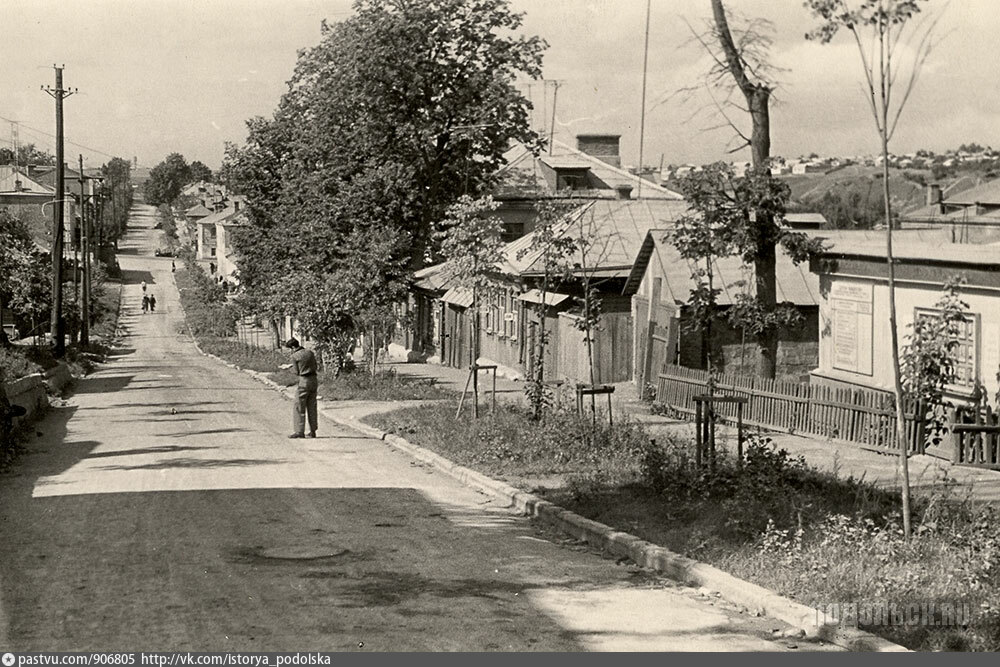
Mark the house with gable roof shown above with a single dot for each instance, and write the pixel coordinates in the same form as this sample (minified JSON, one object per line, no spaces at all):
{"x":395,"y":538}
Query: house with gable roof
{"x":214,"y":237}
{"x":660,"y":285}
{"x":586,"y":180}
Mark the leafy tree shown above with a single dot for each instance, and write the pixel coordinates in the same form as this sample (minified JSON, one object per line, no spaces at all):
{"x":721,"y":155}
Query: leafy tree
{"x":552,"y":248}
{"x":24,"y":273}
{"x":723,"y":221}
{"x":396,"y":112}
{"x":27,"y":154}
{"x":877,"y":28}
{"x":472,"y":247}
{"x":200,"y":172}
{"x":117,"y":189}
{"x":167,"y":179}
{"x":852,"y":209}
{"x":927,"y":362}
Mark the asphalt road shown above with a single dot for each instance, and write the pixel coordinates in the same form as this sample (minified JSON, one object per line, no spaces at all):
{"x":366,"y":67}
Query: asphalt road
{"x":163,"y":508}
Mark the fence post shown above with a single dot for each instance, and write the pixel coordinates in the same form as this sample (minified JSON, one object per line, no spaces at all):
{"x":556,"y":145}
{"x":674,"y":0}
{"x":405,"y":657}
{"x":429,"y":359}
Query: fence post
{"x":697,"y":434}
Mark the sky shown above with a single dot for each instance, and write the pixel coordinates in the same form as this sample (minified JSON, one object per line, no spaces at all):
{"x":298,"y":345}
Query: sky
{"x":159,"y":76}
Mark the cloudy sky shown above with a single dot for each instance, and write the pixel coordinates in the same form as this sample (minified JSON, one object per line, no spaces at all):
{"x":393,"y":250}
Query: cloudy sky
{"x":156,"y":76}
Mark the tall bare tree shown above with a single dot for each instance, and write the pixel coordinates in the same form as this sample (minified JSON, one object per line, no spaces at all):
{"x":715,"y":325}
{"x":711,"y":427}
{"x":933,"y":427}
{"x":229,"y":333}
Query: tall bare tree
{"x":879,"y":28}
{"x":743,"y":61}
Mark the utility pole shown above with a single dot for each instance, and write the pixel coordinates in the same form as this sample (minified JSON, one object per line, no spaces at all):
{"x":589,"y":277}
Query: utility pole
{"x":85,"y":244}
{"x":57,"y":324}
{"x":552,"y":128}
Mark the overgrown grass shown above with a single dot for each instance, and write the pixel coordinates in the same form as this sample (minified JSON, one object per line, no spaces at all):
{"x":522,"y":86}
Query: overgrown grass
{"x":243,"y":355}
{"x":773,"y":520}
{"x":356,"y":385}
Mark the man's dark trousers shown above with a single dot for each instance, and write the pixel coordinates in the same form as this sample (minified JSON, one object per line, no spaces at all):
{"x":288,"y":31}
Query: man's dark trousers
{"x":305,"y":404}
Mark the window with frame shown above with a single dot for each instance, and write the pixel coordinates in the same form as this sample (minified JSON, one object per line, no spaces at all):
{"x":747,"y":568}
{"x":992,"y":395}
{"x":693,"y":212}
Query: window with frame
{"x":965,"y":353}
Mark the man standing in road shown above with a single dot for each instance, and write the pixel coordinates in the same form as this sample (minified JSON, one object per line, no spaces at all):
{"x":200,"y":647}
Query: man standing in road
{"x":304,"y":362}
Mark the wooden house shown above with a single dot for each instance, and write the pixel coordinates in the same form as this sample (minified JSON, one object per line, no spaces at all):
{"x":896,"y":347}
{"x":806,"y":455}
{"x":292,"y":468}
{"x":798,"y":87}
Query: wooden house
{"x":660,"y":285}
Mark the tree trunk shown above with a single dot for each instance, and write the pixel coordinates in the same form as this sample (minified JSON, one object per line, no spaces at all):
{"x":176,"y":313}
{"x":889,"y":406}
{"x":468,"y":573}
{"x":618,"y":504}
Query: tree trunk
{"x":758,"y":97}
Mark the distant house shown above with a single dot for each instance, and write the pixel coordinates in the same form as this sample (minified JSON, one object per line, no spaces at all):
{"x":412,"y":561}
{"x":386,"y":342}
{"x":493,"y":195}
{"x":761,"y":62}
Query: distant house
{"x":30,"y":199}
{"x":660,"y":284}
{"x":854,"y":325}
{"x":197,"y":212}
{"x":214,"y":237}
{"x":808,"y":167}
{"x":805,"y":220}
{"x":978,"y":206}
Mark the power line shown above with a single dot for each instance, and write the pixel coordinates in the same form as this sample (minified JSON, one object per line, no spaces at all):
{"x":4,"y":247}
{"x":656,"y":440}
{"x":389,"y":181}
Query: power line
{"x":52,"y":136}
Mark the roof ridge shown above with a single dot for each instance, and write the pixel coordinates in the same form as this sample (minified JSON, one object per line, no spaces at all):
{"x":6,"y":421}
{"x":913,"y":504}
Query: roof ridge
{"x":617,"y":170}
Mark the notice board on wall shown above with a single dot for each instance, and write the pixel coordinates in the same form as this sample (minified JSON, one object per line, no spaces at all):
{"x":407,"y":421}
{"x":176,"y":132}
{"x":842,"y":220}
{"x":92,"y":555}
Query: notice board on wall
{"x":851,"y":305}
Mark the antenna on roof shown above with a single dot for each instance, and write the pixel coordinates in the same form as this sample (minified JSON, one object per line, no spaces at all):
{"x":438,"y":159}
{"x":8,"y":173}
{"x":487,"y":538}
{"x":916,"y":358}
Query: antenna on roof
{"x":642,"y":111}
{"x":552,"y":127}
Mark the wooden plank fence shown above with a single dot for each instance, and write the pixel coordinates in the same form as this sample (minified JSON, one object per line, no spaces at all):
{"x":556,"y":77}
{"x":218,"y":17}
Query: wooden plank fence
{"x":865,"y":417}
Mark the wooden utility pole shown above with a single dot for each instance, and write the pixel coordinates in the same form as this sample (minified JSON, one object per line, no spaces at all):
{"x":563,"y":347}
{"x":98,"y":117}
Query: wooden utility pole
{"x":57,"y":324}
{"x":85,"y":251}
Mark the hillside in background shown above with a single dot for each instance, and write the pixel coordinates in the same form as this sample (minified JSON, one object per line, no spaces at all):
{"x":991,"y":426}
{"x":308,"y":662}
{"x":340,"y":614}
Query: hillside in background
{"x":851,"y":197}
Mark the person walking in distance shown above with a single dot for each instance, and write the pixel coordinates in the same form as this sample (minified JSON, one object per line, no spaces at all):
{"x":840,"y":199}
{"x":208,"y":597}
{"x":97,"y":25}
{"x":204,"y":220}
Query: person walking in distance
{"x":304,"y":365}
{"x":143,"y":286}
{"x":152,"y":303}
{"x":145,"y":304}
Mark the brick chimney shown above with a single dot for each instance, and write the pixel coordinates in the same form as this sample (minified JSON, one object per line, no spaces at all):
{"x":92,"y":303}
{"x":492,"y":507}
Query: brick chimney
{"x":604,"y":147}
{"x":623,"y":191}
{"x":933,"y":194}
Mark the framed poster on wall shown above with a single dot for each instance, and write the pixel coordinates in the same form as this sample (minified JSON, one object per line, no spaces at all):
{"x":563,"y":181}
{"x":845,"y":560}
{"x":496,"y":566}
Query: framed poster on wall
{"x":851,"y":308}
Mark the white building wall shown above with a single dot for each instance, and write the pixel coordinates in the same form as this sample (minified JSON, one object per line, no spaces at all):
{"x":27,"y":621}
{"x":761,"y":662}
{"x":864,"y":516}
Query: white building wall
{"x":984,"y":303}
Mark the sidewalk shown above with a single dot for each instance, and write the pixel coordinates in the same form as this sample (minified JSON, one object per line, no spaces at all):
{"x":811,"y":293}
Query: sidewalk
{"x":624,"y":399}
{"x":927,"y":473}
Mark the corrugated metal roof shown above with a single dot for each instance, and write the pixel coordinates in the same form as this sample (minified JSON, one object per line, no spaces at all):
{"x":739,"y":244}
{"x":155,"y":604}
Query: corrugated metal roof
{"x":794,"y":283}
{"x":535,"y":296}
{"x":958,"y":253}
{"x":432,"y":278}
{"x":458,"y":296}
{"x":565,"y":162}
{"x":804,"y":218}
{"x":522,"y":174}
{"x":615,"y":230}
{"x":986,"y":193}
{"x":198,"y":209}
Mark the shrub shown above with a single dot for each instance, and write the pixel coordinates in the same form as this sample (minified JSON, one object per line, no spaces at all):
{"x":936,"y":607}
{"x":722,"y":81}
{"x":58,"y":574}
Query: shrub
{"x":16,"y":363}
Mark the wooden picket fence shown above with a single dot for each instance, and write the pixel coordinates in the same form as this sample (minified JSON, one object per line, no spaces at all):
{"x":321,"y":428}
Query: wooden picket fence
{"x":865,"y":417}
{"x":977,"y":444}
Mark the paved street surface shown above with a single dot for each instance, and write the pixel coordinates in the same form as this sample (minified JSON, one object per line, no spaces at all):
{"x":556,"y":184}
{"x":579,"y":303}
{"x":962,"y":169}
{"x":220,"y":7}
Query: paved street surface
{"x":163,"y":508}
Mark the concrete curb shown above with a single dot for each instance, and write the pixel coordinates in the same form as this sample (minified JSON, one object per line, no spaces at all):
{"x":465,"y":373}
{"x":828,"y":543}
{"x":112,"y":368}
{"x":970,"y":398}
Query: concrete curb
{"x":645,"y":554}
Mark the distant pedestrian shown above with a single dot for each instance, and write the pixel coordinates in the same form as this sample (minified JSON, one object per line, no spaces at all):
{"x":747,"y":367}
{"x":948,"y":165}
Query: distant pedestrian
{"x":152,"y":303}
{"x":143,"y":286}
{"x":173,"y":266}
{"x":211,"y":267}
{"x":145,"y":303}
{"x":304,"y":363}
